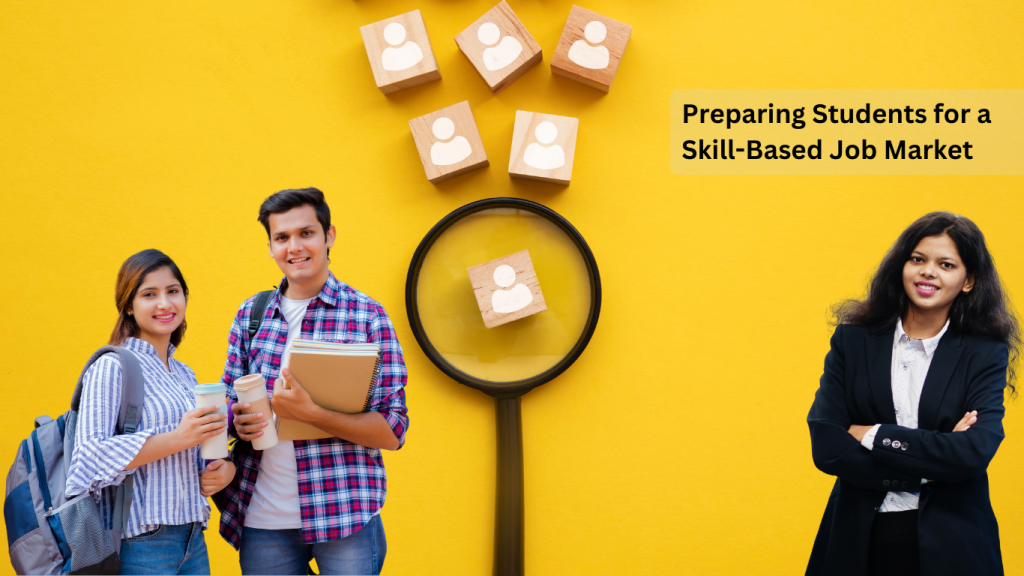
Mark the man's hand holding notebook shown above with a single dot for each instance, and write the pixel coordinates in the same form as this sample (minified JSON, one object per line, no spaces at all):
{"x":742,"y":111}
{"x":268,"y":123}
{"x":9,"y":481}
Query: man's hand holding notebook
{"x":338,"y":377}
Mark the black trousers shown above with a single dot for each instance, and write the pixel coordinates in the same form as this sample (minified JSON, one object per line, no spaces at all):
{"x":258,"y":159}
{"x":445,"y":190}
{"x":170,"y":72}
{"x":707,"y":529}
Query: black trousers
{"x":894,"y":550}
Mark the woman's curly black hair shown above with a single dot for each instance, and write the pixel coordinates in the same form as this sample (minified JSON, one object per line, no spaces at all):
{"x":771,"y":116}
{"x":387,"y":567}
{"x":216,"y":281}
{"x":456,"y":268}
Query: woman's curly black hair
{"x":984,"y":311}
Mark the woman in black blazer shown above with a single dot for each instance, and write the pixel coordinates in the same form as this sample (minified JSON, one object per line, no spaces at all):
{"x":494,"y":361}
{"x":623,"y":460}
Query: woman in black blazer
{"x":929,"y":348}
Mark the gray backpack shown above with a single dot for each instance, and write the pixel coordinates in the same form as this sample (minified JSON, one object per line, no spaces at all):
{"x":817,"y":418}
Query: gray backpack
{"x":46,"y":532}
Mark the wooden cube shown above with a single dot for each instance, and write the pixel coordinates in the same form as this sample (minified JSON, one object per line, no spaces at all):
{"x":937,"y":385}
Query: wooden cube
{"x":590,"y":48}
{"x":448,"y":142}
{"x":543,"y":146}
{"x":507,"y":289}
{"x":499,"y":46}
{"x":400,"y":53}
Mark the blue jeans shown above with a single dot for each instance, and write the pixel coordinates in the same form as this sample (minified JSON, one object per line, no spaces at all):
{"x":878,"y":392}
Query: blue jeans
{"x":169,"y":549}
{"x":284,"y":552}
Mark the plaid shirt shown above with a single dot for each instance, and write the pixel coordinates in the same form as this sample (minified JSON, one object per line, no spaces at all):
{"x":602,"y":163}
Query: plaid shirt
{"x":341,"y":484}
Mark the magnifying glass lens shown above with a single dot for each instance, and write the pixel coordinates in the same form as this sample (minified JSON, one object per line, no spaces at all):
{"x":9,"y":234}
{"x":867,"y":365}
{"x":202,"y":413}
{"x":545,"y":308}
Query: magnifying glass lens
{"x":517,"y":350}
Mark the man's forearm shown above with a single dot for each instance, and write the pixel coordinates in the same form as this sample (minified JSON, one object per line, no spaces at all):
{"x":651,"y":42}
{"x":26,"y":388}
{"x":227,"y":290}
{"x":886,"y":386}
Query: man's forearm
{"x":368,"y":429}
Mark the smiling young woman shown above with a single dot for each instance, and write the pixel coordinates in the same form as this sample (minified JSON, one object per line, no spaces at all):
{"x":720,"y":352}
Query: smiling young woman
{"x":909,"y":410}
{"x":169,"y":510}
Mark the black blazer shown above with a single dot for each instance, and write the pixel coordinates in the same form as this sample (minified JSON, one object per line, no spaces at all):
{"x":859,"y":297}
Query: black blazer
{"x":957,"y":530}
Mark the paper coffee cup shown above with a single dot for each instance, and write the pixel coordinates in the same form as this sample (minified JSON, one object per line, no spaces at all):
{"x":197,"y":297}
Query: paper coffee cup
{"x":213,"y":395}
{"x":252,"y":390}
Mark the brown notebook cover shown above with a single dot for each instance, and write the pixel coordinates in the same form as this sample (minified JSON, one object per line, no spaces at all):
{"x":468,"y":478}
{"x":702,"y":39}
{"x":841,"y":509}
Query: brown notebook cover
{"x":339,"y":383}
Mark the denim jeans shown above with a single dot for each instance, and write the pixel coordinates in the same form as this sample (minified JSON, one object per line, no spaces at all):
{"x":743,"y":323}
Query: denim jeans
{"x":284,"y":552}
{"x":169,"y":549}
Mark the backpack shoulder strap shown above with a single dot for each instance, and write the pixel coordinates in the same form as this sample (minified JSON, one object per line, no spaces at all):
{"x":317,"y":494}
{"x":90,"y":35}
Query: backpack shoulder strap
{"x":128,"y":417}
{"x":130,"y":414}
{"x":130,"y":411}
{"x":256,"y":315}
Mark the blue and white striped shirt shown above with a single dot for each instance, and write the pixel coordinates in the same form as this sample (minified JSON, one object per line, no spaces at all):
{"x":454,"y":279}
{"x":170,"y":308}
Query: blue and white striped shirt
{"x":166,"y":491}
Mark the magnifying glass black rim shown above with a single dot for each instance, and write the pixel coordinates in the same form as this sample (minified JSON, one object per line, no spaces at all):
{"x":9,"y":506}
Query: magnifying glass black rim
{"x":513,"y":388}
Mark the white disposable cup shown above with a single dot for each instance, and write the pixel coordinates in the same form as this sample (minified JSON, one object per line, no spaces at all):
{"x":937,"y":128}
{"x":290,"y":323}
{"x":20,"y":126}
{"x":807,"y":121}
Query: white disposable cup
{"x":213,"y":395}
{"x":252,"y":390}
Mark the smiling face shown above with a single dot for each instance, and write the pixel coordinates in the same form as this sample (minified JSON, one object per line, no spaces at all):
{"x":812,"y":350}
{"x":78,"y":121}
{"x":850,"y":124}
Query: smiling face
{"x":158,"y":307}
{"x":934,"y":275}
{"x":299,"y":246}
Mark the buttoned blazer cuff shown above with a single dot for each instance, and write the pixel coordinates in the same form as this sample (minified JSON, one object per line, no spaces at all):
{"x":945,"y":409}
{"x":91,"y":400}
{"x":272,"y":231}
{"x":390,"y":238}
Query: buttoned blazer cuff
{"x":889,"y":437}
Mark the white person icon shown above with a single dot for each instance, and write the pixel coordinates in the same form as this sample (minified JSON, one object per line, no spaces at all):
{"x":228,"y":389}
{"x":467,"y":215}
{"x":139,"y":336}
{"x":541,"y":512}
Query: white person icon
{"x":545,"y":157}
{"x":507,"y":289}
{"x":447,"y":153}
{"x":593,"y":57}
{"x":497,"y":57}
{"x":508,"y":301}
{"x":403,"y":58}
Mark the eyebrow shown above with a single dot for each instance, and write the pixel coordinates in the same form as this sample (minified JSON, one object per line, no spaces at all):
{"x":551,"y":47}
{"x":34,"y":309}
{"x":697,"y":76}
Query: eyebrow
{"x":306,"y":227}
{"x":923,"y":255}
{"x":143,"y":289}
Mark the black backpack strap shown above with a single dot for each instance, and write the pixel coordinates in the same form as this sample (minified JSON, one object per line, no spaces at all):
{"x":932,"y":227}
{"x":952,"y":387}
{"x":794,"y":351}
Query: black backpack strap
{"x":259,"y":307}
{"x":129,"y":416}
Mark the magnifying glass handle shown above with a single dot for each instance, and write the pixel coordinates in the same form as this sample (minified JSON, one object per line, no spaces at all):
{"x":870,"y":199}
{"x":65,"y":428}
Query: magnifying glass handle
{"x":508,"y":520}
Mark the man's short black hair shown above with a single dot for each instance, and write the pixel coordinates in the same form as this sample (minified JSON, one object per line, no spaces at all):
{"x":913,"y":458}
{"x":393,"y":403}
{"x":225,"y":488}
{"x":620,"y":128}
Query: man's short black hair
{"x":285,"y":200}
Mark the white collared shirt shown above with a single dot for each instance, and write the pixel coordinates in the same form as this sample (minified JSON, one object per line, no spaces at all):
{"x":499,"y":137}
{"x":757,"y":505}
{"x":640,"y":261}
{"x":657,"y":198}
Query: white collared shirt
{"x":910,"y":362}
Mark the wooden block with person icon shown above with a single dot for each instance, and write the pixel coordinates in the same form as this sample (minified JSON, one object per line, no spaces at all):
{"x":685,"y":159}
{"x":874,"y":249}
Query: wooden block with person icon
{"x":507,"y":289}
{"x":499,"y":47}
{"x":448,"y":142}
{"x":543,"y":147}
{"x":590,"y":48}
{"x":399,"y":52}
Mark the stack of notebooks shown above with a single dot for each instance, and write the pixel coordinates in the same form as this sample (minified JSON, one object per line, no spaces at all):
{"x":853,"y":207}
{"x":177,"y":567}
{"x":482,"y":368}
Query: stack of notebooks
{"x":339,"y":377}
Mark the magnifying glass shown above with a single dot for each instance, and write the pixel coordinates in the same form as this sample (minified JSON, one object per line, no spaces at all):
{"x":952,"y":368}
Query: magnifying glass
{"x":508,"y":360}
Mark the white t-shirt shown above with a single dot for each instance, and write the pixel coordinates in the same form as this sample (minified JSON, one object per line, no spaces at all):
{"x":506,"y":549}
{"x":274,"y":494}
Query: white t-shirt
{"x":275,"y":500}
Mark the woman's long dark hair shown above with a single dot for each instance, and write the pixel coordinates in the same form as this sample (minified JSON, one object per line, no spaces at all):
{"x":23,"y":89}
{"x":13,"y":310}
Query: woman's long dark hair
{"x":129,"y":278}
{"x":984,"y":311}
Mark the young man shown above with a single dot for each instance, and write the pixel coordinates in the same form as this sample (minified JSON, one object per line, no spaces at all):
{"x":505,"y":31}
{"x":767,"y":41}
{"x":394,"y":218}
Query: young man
{"x":308,"y":499}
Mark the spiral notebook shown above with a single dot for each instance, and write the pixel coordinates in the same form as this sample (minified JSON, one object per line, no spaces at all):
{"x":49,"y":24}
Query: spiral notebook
{"x":339,"y":377}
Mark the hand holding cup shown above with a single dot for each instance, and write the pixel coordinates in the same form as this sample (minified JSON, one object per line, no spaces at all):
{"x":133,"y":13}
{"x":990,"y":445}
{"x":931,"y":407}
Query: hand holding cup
{"x":248,"y":426}
{"x":199,"y":425}
{"x":253,"y":412}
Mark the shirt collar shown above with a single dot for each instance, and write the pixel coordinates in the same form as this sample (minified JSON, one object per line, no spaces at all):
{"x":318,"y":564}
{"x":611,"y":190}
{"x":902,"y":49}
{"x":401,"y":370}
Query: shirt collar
{"x":329,"y":294}
{"x":930,"y":344}
{"x":140,"y":346}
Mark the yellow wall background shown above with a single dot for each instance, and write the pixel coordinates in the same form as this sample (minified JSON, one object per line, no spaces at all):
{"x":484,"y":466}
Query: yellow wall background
{"x":677,"y":443}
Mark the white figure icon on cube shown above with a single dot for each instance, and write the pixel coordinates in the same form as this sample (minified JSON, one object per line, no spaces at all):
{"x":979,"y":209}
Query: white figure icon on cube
{"x":507,"y":289}
{"x":545,"y":157}
{"x":508,"y":301}
{"x":593,"y":57}
{"x":499,"y":46}
{"x":448,"y":153}
{"x":505,"y":53}
{"x":591,"y":48}
{"x":401,"y":58}
{"x":399,"y":52}
{"x":543,"y":146}
{"x":448,"y":142}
